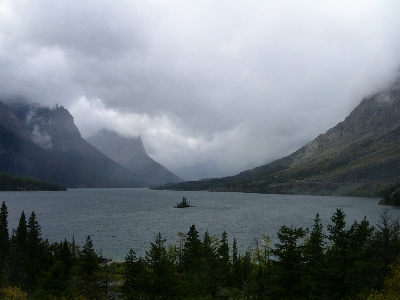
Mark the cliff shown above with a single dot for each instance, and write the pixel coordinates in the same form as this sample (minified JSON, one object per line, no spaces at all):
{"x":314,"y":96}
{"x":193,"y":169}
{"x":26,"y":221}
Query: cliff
{"x":53,"y":150}
{"x":130,"y":153}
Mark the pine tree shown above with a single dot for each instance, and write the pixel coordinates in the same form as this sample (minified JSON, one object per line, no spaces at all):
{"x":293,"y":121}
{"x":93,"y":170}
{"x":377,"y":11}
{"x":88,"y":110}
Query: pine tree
{"x":359,"y":256}
{"x":223,"y":260}
{"x":192,"y":250}
{"x":289,"y":267}
{"x":161,"y":277}
{"x":88,"y":268}
{"x":337,"y":254}
{"x":21,"y":233}
{"x":236,"y":270}
{"x":209,"y":276}
{"x":348,"y":256}
{"x":4,"y":242}
{"x":33,"y":238}
{"x":88,"y":259}
{"x":386,"y":242}
{"x":315,"y":261}
{"x":16,"y":262}
{"x":4,"y":237}
{"x":234,"y":252}
{"x":133,"y":275}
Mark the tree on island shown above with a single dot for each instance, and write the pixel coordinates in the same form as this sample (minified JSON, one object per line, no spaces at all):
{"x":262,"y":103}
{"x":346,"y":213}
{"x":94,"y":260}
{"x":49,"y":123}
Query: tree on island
{"x":183,"y":204}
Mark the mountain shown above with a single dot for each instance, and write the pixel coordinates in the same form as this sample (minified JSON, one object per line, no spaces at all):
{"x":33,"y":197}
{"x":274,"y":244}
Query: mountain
{"x":44,"y":144}
{"x":130,"y":153}
{"x":359,"y":156}
{"x":11,"y":122}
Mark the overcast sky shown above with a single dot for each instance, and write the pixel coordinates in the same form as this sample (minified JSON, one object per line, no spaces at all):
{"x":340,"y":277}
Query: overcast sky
{"x":222,"y":85}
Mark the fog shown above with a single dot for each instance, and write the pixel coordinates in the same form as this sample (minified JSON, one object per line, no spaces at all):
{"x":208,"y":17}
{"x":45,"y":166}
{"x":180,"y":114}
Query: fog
{"x":212,"y":87}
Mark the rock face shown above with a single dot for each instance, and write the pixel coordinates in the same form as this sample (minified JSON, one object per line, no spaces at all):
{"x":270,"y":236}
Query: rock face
{"x":130,"y":153}
{"x":11,"y":122}
{"x":45,"y":144}
{"x":54,"y":151}
{"x":358,"y":156}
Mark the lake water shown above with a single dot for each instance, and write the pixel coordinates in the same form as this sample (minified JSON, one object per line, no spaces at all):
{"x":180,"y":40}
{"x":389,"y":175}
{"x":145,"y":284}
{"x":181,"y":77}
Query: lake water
{"x":119,"y":219}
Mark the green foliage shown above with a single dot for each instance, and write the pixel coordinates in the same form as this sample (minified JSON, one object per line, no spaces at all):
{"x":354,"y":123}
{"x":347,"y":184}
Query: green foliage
{"x":4,"y":236}
{"x":314,"y":276}
{"x":346,"y":261}
{"x":289,"y":266}
{"x":191,"y":250}
{"x":392,"y":196}
{"x":160,"y":275}
{"x":183,"y":204}
{"x":132,"y":275}
{"x":14,"y":183}
{"x":391,"y":285}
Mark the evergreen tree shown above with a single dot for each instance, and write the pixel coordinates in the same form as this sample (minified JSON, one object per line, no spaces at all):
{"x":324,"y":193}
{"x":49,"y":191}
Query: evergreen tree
{"x":34,"y":233}
{"x":66,"y":258}
{"x":4,"y":242}
{"x":88,"y":269}
{"x":315,"y":262}
{"x":161,"y":277}
{"x":337,"y":254}
{"x":36,"y":254}
{"x":289,"y":267}
{"x":235,"y":254}
{"x":235,"y":271}
{"x":360,"y":271}
{"x":16,"y":261}
{"x":246,"y":270}
{"x":21,"y":233}
{"x":4,"y":237}
{"x":192,"y":250}
{"x":209,"y":279}
{"x":386,"y":242}
{"x":223,"y":260}
{"x":133,"y":276}
{"x":348,"y":256}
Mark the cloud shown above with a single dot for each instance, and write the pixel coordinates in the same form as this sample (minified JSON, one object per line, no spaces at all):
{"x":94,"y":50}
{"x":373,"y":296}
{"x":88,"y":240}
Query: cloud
{"x":226,"y":85}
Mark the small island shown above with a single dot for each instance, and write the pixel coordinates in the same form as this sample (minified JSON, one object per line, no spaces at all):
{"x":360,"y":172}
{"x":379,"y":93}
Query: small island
{"x":183,"y":204}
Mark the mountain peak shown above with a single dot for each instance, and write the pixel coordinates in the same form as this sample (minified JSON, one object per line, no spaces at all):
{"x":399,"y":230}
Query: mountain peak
{"x":108,"y":141}
{"x":10,"y":121}
{"x":130,"y":153}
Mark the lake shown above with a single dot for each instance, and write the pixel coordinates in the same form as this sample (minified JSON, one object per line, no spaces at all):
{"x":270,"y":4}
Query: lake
{"x":119,"y":219}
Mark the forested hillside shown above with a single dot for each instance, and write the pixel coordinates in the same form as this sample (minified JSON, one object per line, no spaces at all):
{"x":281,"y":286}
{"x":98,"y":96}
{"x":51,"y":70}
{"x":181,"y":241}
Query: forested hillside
{"x":14,"y":183}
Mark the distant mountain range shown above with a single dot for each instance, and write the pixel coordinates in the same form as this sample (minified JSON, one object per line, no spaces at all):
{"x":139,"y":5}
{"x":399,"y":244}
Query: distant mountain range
{"x":359,"y":156}
{"x":130,"y":153}
{"x":45,"y":144}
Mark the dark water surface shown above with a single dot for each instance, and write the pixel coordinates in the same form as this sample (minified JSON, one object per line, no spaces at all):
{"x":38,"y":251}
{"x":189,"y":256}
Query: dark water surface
{"x":119,"y":219}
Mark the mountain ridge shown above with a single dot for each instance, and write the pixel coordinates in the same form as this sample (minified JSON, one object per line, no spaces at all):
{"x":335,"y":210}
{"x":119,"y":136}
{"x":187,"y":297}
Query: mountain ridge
{"x":44,"y":143}
{"x":359,"y":156}
{"x":130,"y":153}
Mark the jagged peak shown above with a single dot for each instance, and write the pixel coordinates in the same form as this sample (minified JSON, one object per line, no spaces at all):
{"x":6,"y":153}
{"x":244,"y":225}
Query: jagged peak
{"x":132,"y":144}
{"x":10,"y":121}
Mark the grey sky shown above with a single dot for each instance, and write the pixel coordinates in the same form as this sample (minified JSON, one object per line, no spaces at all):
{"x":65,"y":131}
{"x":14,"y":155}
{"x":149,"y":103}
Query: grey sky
{"x":225,"y":85}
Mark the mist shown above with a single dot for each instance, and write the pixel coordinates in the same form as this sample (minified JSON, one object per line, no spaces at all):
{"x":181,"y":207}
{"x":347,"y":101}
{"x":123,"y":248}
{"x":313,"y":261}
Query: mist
{"x":212,"y":87}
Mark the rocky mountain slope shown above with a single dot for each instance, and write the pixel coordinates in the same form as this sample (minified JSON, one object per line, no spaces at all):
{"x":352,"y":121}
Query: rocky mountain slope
{"x":130,"y":153}
{"x":359,"y":156}
{"x":54,"y":150}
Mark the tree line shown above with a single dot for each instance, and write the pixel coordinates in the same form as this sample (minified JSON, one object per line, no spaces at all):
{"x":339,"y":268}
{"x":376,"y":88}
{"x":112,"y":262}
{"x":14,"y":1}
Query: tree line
{"x":15,"y":183}
{"x":341,"y":261}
